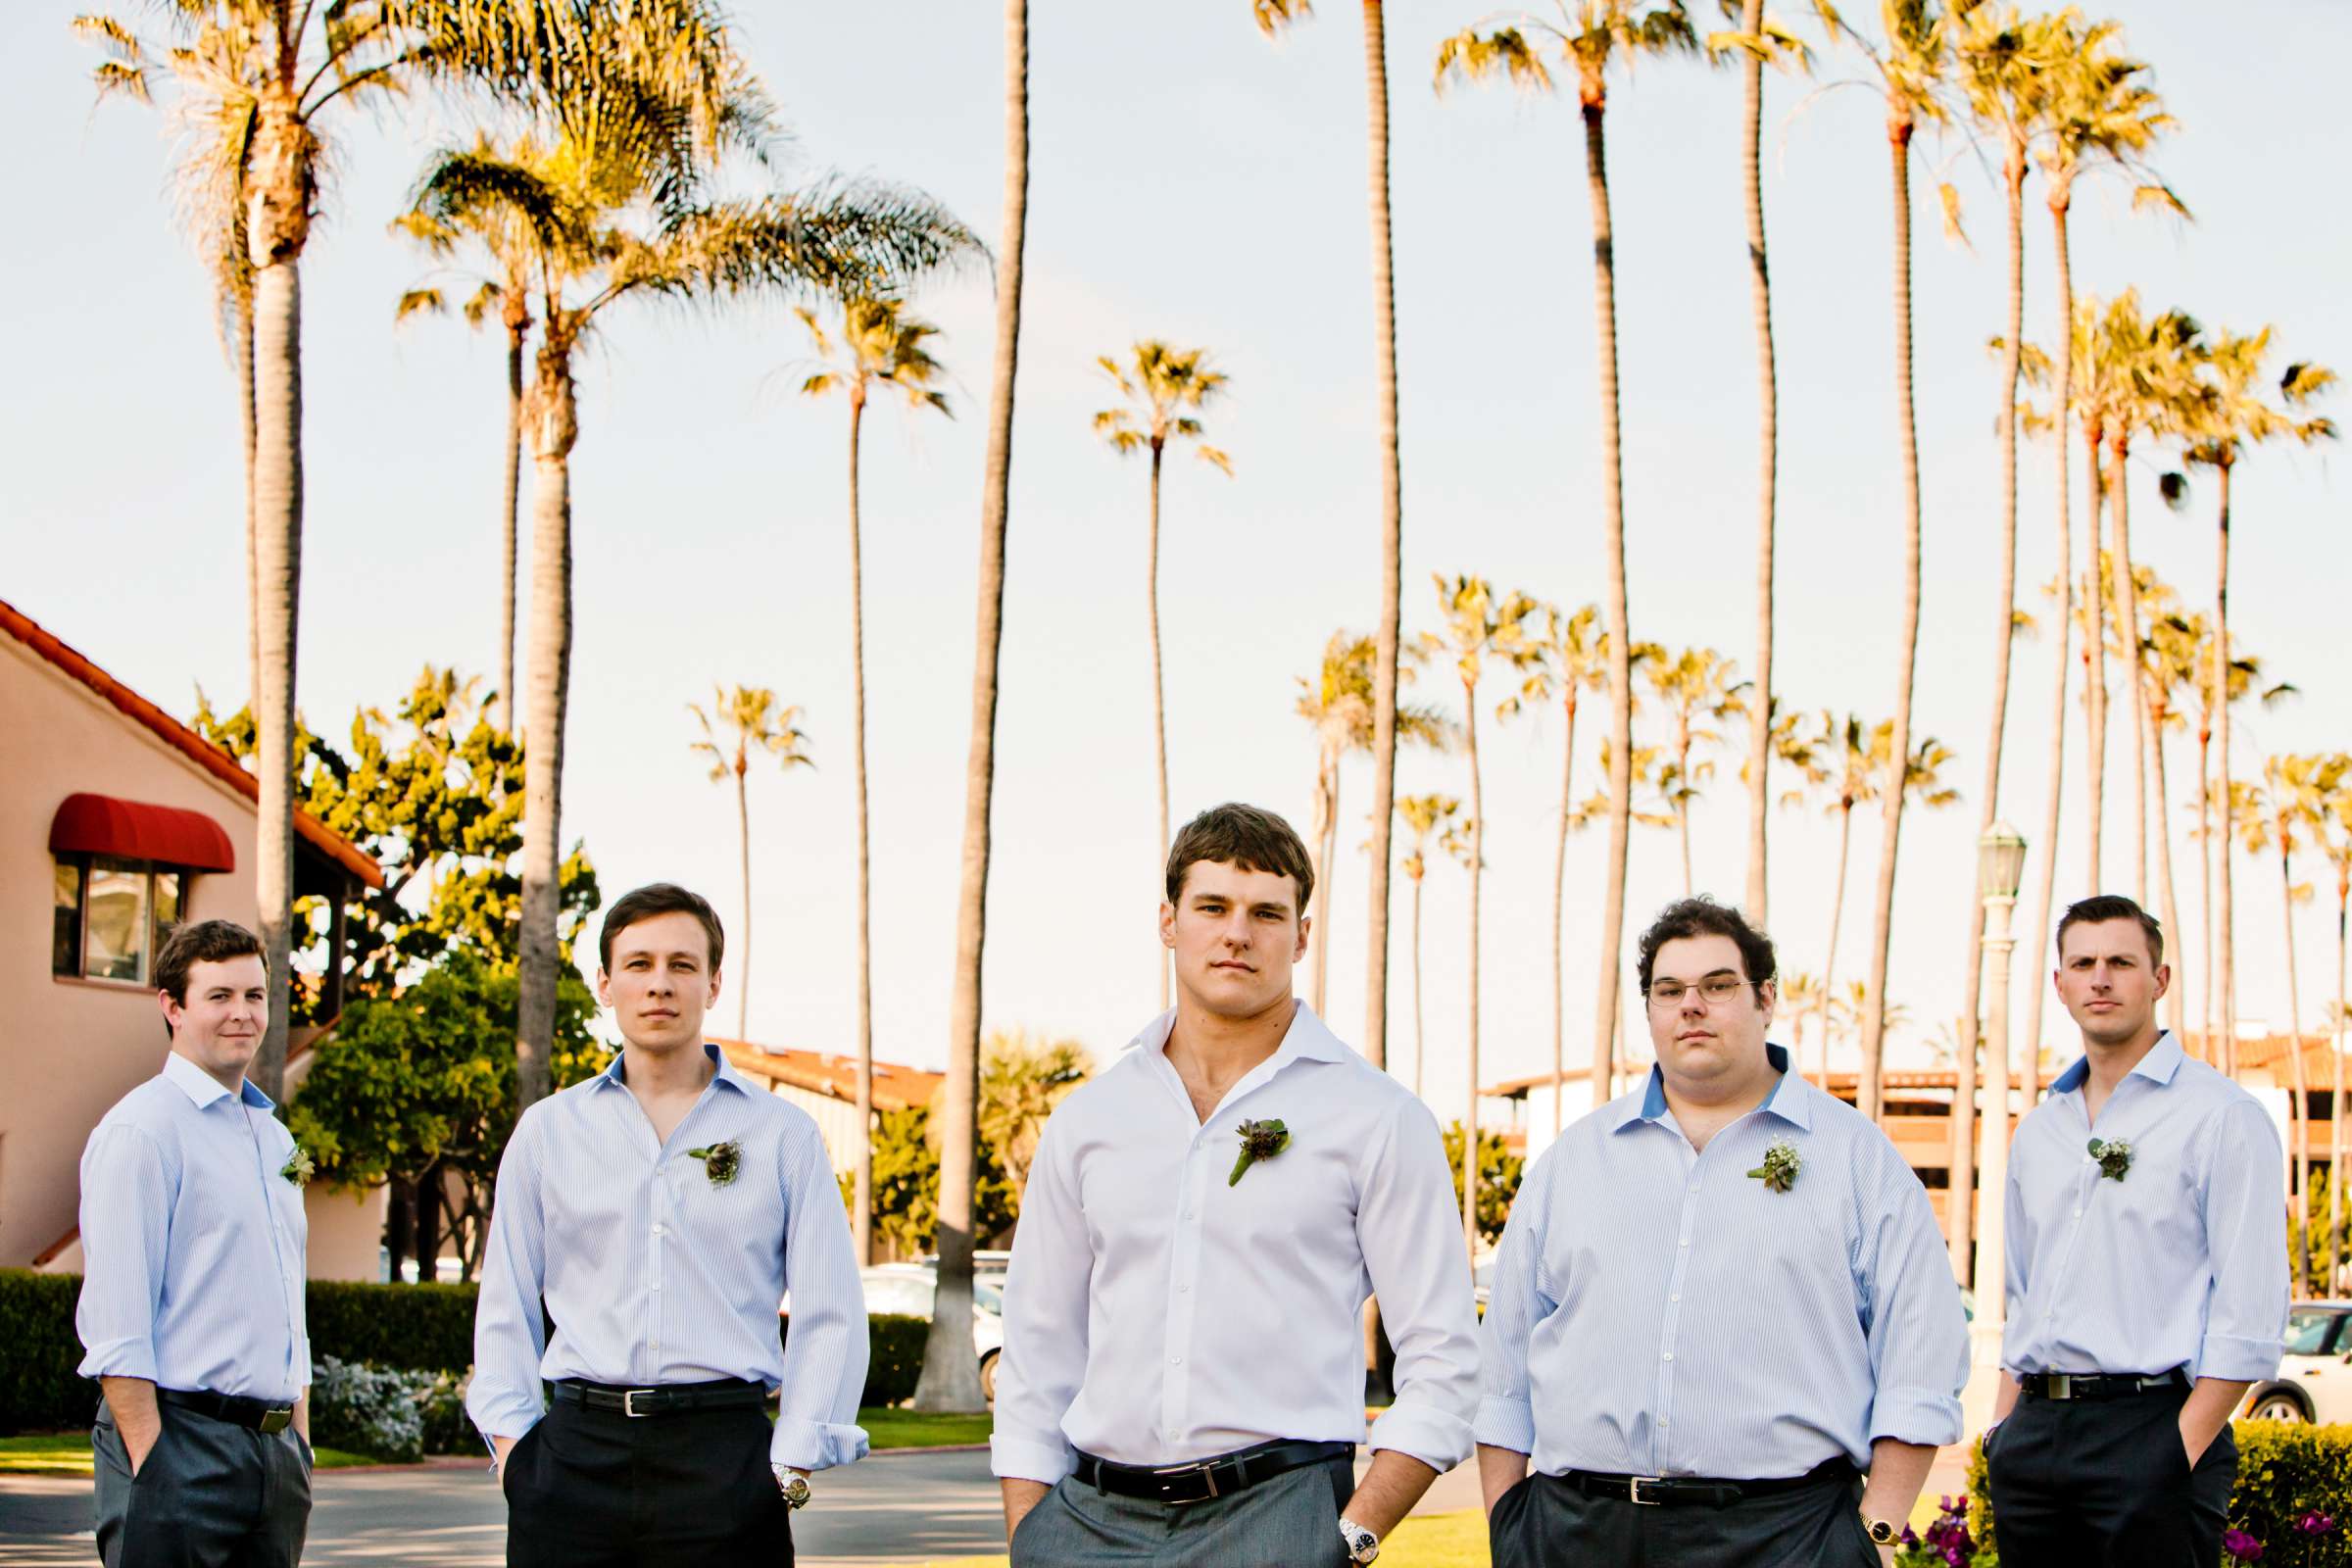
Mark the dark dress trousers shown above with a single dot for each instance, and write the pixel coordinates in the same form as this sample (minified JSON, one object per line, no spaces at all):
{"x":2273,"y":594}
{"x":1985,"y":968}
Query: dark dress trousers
{"x":691,"y":1489}
{"x":2106,"y":1483}
{"x":1546,"y":1522}
{"x":211,"y":1494}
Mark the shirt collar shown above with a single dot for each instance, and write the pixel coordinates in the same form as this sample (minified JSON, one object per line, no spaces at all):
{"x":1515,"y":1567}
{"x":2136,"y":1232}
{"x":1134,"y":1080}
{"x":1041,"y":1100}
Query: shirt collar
{"x":2160,"y":1065}
{"x":1788,"y":1099}
{"x":204,"y":1089}
{"x":1308,"y":1036}
{"x":615,"y":1073}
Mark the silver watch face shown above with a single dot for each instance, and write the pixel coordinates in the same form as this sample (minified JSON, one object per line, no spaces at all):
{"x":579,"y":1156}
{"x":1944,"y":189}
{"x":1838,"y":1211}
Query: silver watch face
{"x":794,"y":1488}
{"x":1363,"y":1546}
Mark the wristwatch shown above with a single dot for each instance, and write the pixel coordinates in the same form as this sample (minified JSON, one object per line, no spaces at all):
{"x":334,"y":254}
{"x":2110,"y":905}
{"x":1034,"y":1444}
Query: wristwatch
{"x":792,"y":1485}
{"x":1881,"y":1530}
{"x":1362,"y":1545}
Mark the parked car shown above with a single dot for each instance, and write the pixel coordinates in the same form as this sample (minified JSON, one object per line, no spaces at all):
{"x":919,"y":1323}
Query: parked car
{"x":907,"y":1288}
{"x":2315,"y":1374}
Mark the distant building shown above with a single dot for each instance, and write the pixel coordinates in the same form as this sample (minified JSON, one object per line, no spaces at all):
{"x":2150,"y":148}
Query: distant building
{"x":827,"y":1088}
{"x":116,"y":822}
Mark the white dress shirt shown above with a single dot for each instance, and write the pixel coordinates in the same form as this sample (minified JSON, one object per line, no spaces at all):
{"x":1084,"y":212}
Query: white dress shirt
{"x":1660,"y":1310}
{"x":653,"y":1274}
{"x":2181,"y":1262}
{"x":1156,"y":1314}
{"x":192,"y":1241}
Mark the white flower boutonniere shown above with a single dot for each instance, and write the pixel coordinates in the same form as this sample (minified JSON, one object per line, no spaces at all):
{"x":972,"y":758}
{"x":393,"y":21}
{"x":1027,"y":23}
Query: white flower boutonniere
{"x":299,"y":1167}
{"x":2114,"y":1156}
{"x":1781,"y":1167}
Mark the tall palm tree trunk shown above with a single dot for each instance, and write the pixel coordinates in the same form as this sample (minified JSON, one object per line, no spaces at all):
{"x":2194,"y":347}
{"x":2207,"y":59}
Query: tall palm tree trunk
{"x":2174,"y":1007}
{"x":1899,"y":758}
{"x":2040,"y":929}
{"x":1391,"y":548}
{"x":2294,"y":1054}
{"x":862,"y":1192}
{"x":1759,"y":702}
{"x":556,"y":429}
{"x":2207,"y":1015}
{"x":2135,"y":682}
{"x":950,"y":1377}
{"x":2225,"y":935}
{"x":2335,"y":1105}
{"x":241,"y":348}
{"x":277,"y":513}
{"x":1621,"y":667}
{"x":1560,"y":887}
{"x":1159,"y":700}
{"x":1417,"y":1036}
{"x":2095,"y":654}
{"x":1828,"y":961}
{"x":507,"y":516}
{"x":1327,"y":850}
{"x":743,"y":943}
{"x":1477,"y":861}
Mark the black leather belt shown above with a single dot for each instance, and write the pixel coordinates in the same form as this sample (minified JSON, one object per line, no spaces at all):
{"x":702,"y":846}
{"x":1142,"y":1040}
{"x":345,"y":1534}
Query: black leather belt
{"x":1684,"y":1492}
{"x":669,"y":1398}
{"x":260,"y":1415}
{"x":1204,"y":1479}
{"x":2101,"y":1386}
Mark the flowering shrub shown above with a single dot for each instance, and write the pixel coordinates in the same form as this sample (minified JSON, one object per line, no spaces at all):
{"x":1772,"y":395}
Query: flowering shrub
{"x":1947,"y":1543}
{"x":376,"y":1411}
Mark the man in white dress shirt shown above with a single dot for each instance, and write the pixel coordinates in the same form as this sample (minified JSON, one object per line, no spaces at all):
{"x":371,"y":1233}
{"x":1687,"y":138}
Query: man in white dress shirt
{"x":1183,"y":1374}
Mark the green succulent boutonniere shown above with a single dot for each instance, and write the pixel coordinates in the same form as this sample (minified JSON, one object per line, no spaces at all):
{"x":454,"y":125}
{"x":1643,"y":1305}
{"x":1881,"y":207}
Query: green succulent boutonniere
{"x":2114,"y":1156}
{"x":721,"y":1162}
{"x":299,"y":1167}
{"x":1779,"y":1168}
{"x":1260,"y":1140}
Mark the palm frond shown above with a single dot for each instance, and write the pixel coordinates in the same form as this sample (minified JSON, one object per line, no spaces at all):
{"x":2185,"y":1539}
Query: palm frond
{"x":419,"y":301}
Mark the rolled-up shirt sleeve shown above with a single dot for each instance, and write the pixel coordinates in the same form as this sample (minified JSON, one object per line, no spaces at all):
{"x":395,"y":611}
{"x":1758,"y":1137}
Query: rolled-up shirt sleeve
{"x":2245,"y":1239}
{"x":1410,"y":1232}
{"x":508,"y":1331}
{"x":127,"y":1187}
{"x":1918,"y":1336}
{"x":1516,"y":1302}
{"x":1043,"y":1359}
{"x":825,"y":1354}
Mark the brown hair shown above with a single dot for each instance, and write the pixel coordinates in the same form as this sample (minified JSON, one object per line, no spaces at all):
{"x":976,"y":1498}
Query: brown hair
{"x":201,"y":942}
{"x":659,"y":898}
{"x":2104,"y":906}
{"x":1702,"y":917}
{"x":1246,"y":836}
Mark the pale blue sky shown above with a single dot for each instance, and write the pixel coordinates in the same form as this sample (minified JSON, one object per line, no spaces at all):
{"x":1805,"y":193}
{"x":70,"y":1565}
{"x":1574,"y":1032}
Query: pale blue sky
{"x":1192,"y":182}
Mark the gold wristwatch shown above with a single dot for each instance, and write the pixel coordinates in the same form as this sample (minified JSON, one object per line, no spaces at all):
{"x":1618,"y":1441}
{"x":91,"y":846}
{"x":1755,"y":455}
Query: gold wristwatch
{"x":1881,"y":1530}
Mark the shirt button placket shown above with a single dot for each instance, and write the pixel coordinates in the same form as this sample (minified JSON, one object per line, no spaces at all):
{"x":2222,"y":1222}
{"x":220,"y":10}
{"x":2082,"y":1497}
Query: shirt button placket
{"x":656,"y":1241}
{"x":1684,"y":1230}
{"x":1184,"y":1266}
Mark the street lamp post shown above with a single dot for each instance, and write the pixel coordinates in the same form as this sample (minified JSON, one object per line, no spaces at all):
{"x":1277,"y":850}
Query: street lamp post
{"x":2000,"y":868}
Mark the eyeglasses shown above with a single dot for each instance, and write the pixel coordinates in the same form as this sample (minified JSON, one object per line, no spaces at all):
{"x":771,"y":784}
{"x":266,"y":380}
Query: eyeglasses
{"x":1717,"y":989}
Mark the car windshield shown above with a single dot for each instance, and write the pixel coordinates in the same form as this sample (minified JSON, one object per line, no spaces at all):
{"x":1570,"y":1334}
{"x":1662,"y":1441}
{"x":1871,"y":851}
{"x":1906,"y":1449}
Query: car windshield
{"x":2307,"y":1331}
{"x":987,"y":1297}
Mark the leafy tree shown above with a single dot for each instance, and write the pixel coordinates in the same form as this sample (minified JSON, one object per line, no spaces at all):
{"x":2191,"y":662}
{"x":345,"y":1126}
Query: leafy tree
{"x":1498,"y":1173}
{"x":1024,"y":1078}
{"x":754,"y":721}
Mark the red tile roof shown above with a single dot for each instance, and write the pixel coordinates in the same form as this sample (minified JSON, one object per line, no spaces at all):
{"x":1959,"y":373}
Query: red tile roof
{"x":896,"y":1087}
{"x":195,"y":748}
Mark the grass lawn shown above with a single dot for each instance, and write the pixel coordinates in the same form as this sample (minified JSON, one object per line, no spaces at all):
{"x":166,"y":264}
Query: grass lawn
{"x":1432,"y":1541}
{"x":892,"y":1428}
{"x":69,"y":1453}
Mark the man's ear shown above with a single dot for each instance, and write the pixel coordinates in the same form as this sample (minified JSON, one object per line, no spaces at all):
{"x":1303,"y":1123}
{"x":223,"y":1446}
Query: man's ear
{"x":2164,"y":979}
{"x":1306,"y":924}
{"x":1167,"y":925}
{"x":604,"y":989}
{"x":171,"y":1011}
{"x":714,"y":996}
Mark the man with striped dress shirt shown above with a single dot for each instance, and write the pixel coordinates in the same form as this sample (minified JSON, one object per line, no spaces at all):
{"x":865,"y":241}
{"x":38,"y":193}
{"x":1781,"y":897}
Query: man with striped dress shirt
{"x":1722,"y":1329}
{"x":657,"y":1213}
{"x":1183,"y":1374}
{"x":2146,"y":1277}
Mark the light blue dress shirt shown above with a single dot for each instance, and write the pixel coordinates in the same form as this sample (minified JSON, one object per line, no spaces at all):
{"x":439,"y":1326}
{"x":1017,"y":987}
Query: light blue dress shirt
{"x":655,"y":1274}
{"x":1656,"y":1310}
{"x":193,"y":1242}
{"x":2182,"y":1263}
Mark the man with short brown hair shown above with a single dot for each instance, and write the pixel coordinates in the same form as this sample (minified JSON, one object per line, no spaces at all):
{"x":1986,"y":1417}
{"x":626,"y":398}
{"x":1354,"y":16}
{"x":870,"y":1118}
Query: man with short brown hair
{"x":1182,"y":1382}
{"x":2147,"y":1277}
{"x":191,"y":1310}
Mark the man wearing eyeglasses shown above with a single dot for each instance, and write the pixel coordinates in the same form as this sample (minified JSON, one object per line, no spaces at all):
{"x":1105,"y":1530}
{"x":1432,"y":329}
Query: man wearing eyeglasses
{"x":1723,"y":1331}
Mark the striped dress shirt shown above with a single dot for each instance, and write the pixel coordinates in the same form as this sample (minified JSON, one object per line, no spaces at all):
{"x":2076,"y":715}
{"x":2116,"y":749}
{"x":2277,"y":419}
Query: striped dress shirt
{"x":655,"y":1274}
{"x":2181,"y":1262}
{"x":193,"y":1242}
{"x":1656,"y":1310}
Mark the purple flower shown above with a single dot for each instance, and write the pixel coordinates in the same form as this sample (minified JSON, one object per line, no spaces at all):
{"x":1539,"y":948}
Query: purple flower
{"x":2316,"y":1523}
{"x":2244,"y":1548}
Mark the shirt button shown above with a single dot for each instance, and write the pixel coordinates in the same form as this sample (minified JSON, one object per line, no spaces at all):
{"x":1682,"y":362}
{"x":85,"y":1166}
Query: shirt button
{"x":1685,"y":1242}
{"x":1175,"y":1361}
{"x":1675,"y":1297}
{"x":1181,"y":1289}
{"x":656,"y":1230}
{"x":1669,"y":1355}
{"x":2078,"y":1213}
{"x":1663,"y":1423}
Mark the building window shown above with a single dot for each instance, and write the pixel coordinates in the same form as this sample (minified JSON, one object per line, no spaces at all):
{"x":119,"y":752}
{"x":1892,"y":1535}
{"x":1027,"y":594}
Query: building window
{"x":111,"y":915}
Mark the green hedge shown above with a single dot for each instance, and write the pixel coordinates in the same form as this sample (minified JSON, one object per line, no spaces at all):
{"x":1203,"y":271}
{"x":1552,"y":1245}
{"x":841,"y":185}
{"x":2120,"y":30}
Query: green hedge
{"x":39,"y":1391}
{"x":895,"y":1345}
{"x":420,"y":1328}
{"x":2286,"y":1473}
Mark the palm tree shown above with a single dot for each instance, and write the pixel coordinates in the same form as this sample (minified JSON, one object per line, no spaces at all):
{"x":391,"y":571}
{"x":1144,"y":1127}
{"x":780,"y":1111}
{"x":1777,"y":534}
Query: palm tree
{"x":1272,"y":15}
{"x":754,"y":722}
{"x":2167,"y":655}
{"x":2244,"y":678}
{"x":1605,"y":32}
{"x":1696,"y":686}
{"x":1802,"y":992}
{"x":1567,"y":661}
{"x":1478,"y":628}
{"x":2233,"y":417}
{"x":1161,"y":385}
{"x":262,"y":83}
{"x":881,"y":346}
{"x":1338,"y":704}
{"x":2333,"y":830}
{"x":1854,"y":774}
{"x":1423,"y":815}
{"x":609,"y":222}
{"x":1910,"y":73}
{"x":950,"y":1379}
{"x":503,"y":288}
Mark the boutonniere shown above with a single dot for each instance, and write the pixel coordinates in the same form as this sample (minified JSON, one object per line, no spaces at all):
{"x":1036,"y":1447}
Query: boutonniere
{"x":1781,"y":1167}
{"x":299,"y":1167}
{"x":1260,"y":1140}
{"x":721,"y":1161}
{"x":2114,"y":1158}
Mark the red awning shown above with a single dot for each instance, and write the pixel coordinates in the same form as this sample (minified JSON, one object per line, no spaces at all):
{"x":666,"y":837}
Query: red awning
{"x":100,"y":824}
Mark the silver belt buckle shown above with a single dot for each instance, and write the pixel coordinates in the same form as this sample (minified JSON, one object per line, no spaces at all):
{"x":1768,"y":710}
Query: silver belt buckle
{"x":276,"y":1419}
{"x":1634,"y":1491}
{"x":2060,"y":1385}
{"x":628,"y":1404}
